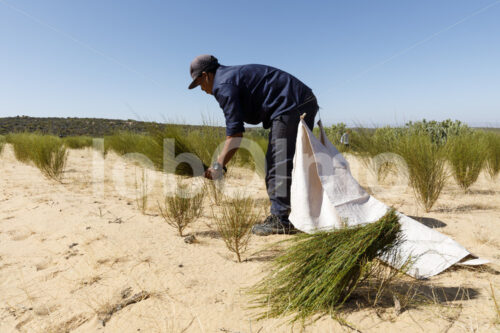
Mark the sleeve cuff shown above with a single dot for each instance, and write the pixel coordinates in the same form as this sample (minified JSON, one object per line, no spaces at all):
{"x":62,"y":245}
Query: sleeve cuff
{"x":230,"y":130}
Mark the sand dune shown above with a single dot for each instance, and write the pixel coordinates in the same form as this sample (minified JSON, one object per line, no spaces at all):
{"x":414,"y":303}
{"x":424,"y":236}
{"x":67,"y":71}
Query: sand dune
{"x":79,"y":256}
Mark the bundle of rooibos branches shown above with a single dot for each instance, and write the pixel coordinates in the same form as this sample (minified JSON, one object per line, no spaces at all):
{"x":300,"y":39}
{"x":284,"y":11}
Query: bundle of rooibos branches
{"x":318,"y":272}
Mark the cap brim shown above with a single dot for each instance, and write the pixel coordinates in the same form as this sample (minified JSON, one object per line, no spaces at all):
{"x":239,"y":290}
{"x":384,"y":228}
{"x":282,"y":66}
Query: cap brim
{"x":194,"y":84}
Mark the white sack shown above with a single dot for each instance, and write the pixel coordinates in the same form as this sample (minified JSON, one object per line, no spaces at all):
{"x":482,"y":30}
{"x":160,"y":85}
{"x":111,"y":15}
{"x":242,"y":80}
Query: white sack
{"x":324,"y":195}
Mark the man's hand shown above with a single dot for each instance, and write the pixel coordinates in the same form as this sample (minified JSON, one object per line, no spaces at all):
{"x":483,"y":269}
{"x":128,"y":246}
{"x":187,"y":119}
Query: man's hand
{"x":213,"y":174}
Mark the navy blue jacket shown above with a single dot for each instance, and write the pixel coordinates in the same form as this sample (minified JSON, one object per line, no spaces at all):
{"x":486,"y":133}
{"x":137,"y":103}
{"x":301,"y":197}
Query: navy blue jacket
{"x":256,"y":93}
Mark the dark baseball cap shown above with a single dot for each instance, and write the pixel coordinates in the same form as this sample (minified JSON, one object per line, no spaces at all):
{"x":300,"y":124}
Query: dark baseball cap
{"x":200,"y":64}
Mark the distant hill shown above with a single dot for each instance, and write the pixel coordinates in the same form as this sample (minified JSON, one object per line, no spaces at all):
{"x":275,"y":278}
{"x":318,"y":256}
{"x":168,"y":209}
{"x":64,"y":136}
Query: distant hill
{"x":72,"y":126}
{"x":492,"y":129}
{"x":94,"y":127}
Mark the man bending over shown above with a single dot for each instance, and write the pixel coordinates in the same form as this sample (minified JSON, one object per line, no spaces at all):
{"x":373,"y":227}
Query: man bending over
{"x":256,"y":94}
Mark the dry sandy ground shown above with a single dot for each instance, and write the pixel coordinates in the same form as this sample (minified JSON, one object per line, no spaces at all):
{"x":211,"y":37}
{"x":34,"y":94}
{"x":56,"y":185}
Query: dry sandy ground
{"x":72,"y":252}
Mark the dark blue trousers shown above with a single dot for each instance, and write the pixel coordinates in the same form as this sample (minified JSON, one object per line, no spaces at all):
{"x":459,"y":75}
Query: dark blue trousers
{"x":280,"y":152}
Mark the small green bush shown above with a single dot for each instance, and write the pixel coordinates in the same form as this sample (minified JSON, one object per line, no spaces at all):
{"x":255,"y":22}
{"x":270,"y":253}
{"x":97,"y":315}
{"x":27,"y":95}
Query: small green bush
{"x":369,"y":144}
{"x":215,"y":190}
{"x":124,"y":143}
{"x":493,"y":153}
{"x":151,"y":145}
{"x":23,"y":144}
{"x":182,"y":208}
{"x":235,"y":221}
{"x":77,"y":142}
{"x":142,"y":189}
{"x":2,"y":142}
{"x":467,"y":155}
{"x":127,"y":142}
{"x":425,"y":161}
{"x":50,"y":156}
{"x":47,"y":152}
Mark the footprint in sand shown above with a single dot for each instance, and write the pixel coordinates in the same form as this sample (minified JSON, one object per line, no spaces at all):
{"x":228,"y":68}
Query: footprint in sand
{"x":43,"y":263}
{"x":44,"y":309}
{"x":19,"y":235}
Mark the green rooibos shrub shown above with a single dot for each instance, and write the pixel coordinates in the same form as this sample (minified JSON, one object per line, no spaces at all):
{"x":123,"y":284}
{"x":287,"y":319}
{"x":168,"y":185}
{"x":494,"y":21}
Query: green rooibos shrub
{"x":215,"y":190}
{"x":196,"y":145}
{"x":50,"y":156}
{"x":319,"y":271}
{"x":370,"y":143}
{"x":467,"y":155}
{"x":493,"y":154}
{"x":47,"y":152}
{"x":152,"y":146}
{"x":425,"y":161}
{"x":181,"y":145}
{"x":127,"y":142}
{"x":78,"y":142}
{"x":2,"y":143}
{"x":22,"y":144}
{"x":182,"y":208}
{"x":235,"y":221}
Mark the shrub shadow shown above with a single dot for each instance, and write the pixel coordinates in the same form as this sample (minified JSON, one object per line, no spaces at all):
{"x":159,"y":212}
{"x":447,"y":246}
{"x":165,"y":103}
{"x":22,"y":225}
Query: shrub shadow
{"x":207,"y":233}
{"x":263,"y":258}
{"x":482,"y":192}
{"x":463,"y":208}
{"x":429,"y":222}
{"x":264,"y":255}
{"x":408,"y":295}
{"x":476,"y":269}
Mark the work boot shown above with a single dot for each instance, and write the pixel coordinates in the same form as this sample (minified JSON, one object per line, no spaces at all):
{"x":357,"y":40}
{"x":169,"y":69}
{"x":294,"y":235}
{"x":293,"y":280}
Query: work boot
{"x":273,"y":225}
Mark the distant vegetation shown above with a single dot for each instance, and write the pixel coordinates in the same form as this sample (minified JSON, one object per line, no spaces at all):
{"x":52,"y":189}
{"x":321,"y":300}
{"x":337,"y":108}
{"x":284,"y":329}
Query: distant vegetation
{"x":427,"y":147}
{"x":94,"y":127}
{"x":72,"y":126}
{"x":131,"y":136}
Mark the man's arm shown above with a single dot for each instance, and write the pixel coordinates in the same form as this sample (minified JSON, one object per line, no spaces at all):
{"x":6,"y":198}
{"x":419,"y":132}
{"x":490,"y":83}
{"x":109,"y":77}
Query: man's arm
{"x":230,"y":147}
{"x":228,"y":96}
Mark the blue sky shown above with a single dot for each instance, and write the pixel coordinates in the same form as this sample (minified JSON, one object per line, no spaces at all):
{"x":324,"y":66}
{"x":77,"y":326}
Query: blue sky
{"x":368,"y":62}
